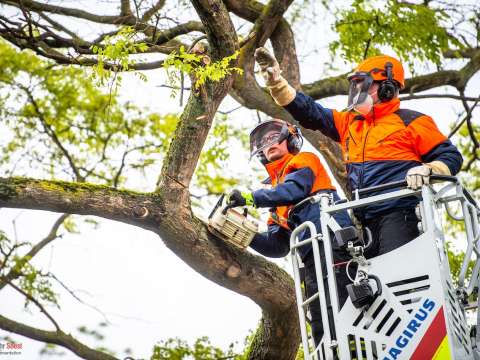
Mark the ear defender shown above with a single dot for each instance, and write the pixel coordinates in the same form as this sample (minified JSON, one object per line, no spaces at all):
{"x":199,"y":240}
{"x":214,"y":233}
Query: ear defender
{"x":387,"y":88}
{"x":288,"y":132}
{"x":294,"y":139}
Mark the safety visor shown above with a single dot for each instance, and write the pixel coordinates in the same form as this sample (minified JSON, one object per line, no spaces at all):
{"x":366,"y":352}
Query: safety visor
{"x":267,"y":134}
{"x":360,"y":83}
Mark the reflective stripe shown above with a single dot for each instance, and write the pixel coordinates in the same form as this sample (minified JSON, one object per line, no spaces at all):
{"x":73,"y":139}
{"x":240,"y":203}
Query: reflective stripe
{"x":443,"y":352}
{"x":433,"y":339}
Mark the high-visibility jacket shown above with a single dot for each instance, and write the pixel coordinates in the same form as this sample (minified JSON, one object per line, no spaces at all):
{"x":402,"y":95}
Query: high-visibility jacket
{"x":293,"y":178}
{"x":380,"y":147}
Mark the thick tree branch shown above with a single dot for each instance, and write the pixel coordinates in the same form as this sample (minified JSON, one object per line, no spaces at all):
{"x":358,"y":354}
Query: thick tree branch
{"x":282,"y":38}
{"x":45,"y":51}
{"x":46,"y":43}
{"x":462,"y":53}
{"x":82,"y":199}
{"x":266,"y":23}
{"x":51,"y":337}
{"x":125,"y":9}
{"x":338,"y":85}
{"x":77,"y":13}
{"x":153,"y":10}
{"x":181,"y":29}
{"x":197,"y":117}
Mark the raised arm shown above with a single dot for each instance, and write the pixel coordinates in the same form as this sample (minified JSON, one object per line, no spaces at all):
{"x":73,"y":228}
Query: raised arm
{"x":303,"y":108}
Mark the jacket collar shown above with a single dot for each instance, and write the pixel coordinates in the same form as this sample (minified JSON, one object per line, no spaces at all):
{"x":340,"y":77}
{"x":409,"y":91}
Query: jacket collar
{"x":274,"y":168}
{"x":382,"y":109}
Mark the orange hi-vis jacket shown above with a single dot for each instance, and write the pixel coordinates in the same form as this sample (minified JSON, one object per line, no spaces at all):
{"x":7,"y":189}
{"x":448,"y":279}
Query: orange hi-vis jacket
{"x":387,"y":134}
{"x":293,"y":178}
{"x":381,"y":147}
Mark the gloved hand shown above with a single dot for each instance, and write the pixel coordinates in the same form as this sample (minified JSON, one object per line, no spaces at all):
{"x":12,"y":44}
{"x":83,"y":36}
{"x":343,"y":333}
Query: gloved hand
{"x":269,"y":67}
{"x":279,"y":88}
{"x":237,"y":198}
{"x":418,"y":176}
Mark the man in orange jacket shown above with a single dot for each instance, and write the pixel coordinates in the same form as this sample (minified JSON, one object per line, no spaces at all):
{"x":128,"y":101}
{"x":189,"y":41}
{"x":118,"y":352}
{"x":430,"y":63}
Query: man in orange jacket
{"x":381,"y":143}
{"x":293,"y":176}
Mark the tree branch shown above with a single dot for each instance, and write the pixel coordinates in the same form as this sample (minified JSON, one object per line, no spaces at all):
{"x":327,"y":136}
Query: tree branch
{"x":125,"y":9}
{"x":338,"y":85}
{"x":461,"y":53}
{"x":153,"y":10}
{"x":51,"y":133}
{"x":437,"y":96}
{"x":51,"y":337}
{"x":82,"y":199}
{"x":247,"y":274}
{"x":32,"y":299}
{"x":52,"y":235}
{"x":468,"y":117}
{"x":181,"y":29}
{"x":197,"y":117}
{"x":77,"y":13}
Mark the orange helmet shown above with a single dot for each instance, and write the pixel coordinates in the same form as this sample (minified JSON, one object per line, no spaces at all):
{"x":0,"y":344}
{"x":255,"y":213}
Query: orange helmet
{"x":376,"y":67}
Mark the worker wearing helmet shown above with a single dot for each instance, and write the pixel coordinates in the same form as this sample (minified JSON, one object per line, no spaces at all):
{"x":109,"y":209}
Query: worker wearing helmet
{"x":293,"y":176}
{"x":381,"y":143}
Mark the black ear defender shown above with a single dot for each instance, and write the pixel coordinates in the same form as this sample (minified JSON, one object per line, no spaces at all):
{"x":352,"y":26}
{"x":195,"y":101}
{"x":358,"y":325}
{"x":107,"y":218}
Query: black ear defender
{"x":294,"y":140}
{"x":387,"y":88}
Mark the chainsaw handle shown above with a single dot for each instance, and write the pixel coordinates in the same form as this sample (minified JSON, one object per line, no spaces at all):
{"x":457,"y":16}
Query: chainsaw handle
{"x":224,"y":211}
{"x":379,"y":285}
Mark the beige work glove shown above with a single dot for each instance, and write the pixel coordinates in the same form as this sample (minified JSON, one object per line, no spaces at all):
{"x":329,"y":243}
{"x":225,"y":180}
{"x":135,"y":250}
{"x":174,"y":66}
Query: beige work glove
{"x":420,"y":175}
{"x":280,"y":89}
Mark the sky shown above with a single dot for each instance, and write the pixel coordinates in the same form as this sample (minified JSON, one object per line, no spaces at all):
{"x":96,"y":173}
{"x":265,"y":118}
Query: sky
{"x":128,"y":274}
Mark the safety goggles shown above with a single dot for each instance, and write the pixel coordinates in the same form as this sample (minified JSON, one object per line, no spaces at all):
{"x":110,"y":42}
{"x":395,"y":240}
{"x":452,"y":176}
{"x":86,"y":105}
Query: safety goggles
{"x":265,"y":135}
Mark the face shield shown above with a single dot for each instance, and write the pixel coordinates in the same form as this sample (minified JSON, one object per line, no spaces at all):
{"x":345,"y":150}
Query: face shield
{"x":359,"y":98}
{"x":265,"y":135}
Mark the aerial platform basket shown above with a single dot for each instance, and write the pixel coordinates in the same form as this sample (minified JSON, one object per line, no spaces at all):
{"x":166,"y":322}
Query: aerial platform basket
{"x":420,"y":313}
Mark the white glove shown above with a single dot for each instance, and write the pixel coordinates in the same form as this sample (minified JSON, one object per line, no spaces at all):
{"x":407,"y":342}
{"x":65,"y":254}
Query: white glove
{"x":269,"y":67}
{"x":418,"y":176}
{"x":281,"y":91}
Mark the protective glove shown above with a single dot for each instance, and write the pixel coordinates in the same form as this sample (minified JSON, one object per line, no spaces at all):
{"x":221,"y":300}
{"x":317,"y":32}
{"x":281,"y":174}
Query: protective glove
{"x":269,"y":67}
{"x":280,"y":89}
{"x":418,"y":176}
{"x":237,"y":198}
